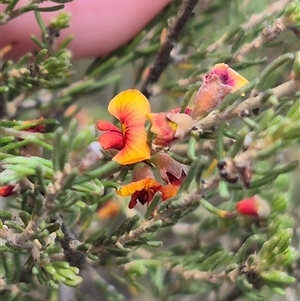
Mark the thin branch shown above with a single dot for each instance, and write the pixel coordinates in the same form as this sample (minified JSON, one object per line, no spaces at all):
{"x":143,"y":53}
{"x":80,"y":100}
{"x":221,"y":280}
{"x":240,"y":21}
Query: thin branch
{"x":161,"y":60}
{"x":231,"y":294}
{"x":253,"y":21}
{"x":200,"y":275}
{"x":203,"y":148}
{"x":23,"y":240}
{"x":272,"y":10}
{"x":165,"y":215}
{"x":269,"y":34}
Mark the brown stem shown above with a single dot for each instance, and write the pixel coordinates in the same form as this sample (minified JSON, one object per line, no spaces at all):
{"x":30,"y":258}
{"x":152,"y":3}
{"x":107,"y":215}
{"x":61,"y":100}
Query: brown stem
{"x":165,"y":215}
{"x":161,"y":60}
{"x":23,"y":240}
{"x":269,"y":34}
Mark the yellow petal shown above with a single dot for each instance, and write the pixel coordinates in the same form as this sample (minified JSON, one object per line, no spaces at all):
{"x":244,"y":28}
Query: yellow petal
{"x":135,"y":147}
{"x":130,"y":107}
{"x":131,"y":188}
{"x":233,"y":79}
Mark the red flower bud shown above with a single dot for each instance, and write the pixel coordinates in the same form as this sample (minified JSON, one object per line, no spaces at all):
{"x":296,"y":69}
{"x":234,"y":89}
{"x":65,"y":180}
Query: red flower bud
{"x":6,"y":190}
{"x":253,"y":206}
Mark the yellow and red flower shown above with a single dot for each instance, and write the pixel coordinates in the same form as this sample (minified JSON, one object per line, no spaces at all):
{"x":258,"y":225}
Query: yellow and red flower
{"x":217,"y":84}
{"x":169,"y":126}
{"x":144,"y":190}
{"x":143,"y":187}
{"x":130,"y":108}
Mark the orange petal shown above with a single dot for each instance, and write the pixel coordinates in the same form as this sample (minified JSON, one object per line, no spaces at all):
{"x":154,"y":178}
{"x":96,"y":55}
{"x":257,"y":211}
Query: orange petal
{"x":5,"y":49}
{"x":168,"y":191}
{"x":108,"y":210}
{"x":130,"y":107}
{"x":163,"y":128}
{"x":135,"y":147}
{"x":131,"y":188}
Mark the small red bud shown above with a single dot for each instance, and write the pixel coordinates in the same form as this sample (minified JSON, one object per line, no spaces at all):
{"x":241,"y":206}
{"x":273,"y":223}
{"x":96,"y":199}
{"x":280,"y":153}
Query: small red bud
{"x":253,"y":206}
{"x":6,"y":190}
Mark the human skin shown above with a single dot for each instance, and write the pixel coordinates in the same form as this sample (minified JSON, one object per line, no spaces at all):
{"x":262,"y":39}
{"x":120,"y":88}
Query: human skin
{"x":98,"y":26}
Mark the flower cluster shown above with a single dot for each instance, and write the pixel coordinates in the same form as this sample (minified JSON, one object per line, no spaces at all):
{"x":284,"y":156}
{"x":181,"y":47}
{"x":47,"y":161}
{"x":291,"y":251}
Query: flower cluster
{"x":130,"y":143}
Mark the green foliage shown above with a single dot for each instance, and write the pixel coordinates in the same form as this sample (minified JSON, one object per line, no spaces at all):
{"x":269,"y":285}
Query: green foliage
{"x":58,"y":224}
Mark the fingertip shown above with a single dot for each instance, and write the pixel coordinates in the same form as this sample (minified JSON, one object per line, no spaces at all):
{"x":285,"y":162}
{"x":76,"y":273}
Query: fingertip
{"x":99,"y":27}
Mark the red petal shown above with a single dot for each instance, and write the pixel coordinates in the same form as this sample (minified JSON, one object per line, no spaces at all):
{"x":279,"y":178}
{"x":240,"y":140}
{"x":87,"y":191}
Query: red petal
{"x":107,"y":126}
{"x":111,"y":140}
{"x":163,"y":128}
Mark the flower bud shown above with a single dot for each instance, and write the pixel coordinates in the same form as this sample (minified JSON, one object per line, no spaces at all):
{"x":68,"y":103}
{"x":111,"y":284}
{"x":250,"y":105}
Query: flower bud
{"x":6,"y":190}
{"x":253,"y":206}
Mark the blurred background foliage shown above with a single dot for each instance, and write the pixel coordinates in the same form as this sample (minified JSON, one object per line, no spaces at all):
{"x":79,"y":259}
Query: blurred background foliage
{"x":79,"y":227}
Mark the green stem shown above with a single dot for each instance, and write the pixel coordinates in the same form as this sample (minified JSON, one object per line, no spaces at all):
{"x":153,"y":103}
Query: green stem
{"x":104,"y":170}
{"x":273,"y":66}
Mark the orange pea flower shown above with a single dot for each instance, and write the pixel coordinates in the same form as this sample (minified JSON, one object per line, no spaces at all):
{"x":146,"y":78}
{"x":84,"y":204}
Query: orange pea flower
{"x":169,"y":126}
{"x":217,"y":84}
{"x":144,"y":186}
{"x":130,"y":108}
{"x":144,"y":190}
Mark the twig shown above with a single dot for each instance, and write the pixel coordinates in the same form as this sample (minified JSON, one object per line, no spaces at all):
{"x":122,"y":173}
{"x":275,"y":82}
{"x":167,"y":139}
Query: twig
{"x":253,"y":21}
{"x":22,"y":240}
{"x":66,"y":96}
{"x":69,"y":242}
{"x":189,"y":199}
{"x":232,"y":294}
{"x":269,"y":34}
{"x":201,"y":148}
{"x":18,"y":12}
{"x":270,"y":11}
{"x":200,"y":275}
{"x":3,"y":105}
{"x":4,"y":286}
{"x":162,"y":58}
{"x":165,"y":215}
{"x":19,"y":134}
